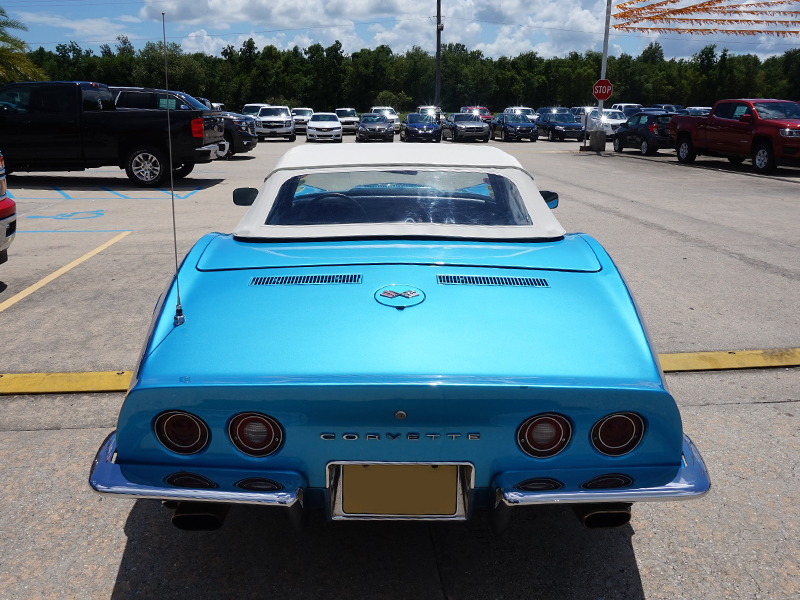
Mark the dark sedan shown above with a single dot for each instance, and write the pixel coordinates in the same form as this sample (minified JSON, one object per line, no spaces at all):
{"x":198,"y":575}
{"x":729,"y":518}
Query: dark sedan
{"x":240,"y":132}
{"x":514,"y":126}
{"x":646,"y":131}
{"x":375,"y":126}
{"x":464,"y":126}
{"x":559,"y":126}
{"x":418,"y":127}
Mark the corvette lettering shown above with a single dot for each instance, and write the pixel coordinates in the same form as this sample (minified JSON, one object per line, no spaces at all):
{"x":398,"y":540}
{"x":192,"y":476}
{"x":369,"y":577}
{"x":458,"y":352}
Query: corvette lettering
{"x":350,"y":437}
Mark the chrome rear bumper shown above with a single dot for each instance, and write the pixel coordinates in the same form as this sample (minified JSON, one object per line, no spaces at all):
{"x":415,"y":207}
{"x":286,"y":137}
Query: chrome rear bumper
{"x":692,"y":481}
{"x":106,"y":477}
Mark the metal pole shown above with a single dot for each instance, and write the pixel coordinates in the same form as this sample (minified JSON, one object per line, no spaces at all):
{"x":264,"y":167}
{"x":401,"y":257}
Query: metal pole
{"x":439,"y":28}
{"x":605,"y":54}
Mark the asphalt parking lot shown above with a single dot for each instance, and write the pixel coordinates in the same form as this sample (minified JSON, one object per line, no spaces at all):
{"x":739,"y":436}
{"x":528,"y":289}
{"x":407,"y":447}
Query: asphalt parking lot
{"x":710,"y":251}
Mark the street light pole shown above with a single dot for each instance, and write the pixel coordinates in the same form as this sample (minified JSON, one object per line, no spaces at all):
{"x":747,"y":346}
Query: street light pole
{"x":439,"y":28}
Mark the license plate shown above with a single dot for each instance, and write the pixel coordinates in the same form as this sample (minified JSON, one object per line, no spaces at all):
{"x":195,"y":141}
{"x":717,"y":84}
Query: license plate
{"x":407,"y":490}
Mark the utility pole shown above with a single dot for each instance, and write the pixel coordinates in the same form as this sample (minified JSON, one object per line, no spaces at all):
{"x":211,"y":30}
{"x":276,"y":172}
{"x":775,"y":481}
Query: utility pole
{"x":439,"y":28}
{"x":605,"y":53}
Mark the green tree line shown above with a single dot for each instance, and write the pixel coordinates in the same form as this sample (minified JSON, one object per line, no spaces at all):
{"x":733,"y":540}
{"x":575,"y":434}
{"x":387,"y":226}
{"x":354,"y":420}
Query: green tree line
{"x":326,"y":78}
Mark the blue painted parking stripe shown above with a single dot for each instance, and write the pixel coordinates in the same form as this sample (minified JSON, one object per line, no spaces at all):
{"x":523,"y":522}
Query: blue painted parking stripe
{"x":73,"y":230}
{"x":105,"y":189}
{"x":64,"y":194}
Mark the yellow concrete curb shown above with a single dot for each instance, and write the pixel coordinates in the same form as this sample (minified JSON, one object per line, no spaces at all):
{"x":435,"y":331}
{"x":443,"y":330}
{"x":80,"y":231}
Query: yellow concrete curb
{"x":740,"y":359}
{"x":64,"y":383}
{"x":118,"y":381}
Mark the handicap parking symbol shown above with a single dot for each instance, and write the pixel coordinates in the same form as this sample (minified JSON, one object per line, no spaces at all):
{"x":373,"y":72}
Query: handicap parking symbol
{"x":73,"y":216}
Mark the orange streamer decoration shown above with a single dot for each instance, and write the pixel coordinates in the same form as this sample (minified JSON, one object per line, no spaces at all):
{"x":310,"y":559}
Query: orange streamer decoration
{"x":688,"y":16}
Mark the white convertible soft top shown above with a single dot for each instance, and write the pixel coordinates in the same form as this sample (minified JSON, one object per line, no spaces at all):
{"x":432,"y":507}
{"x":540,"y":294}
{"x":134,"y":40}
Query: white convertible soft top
{"x":303,"y":160}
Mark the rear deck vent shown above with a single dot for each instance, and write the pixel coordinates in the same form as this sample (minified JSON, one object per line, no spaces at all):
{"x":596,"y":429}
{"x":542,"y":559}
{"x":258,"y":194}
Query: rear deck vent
{"x":304,"y":279}
{"x":477,"y":280}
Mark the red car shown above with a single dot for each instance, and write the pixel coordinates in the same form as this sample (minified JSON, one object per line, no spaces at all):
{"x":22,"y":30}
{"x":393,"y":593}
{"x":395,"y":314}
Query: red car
{"x":8,"y":215}
{"x":766,"y":131}
{"x":484,"y":113}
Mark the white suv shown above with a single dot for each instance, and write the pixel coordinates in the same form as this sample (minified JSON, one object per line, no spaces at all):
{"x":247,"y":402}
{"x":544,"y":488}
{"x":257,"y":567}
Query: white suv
{"x":388,"y":111}
{"x":301,"y":117}
{"x":276,"y":121}
{"x":348,"y":117}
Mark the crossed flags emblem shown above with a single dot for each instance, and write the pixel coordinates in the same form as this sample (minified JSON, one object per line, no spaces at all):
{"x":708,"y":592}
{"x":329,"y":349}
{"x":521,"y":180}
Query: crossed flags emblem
{"x":407,"y":294}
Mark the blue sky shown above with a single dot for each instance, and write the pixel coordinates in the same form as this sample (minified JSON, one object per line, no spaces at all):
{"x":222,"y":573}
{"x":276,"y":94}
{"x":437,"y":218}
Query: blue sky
{"x":497,"y":28}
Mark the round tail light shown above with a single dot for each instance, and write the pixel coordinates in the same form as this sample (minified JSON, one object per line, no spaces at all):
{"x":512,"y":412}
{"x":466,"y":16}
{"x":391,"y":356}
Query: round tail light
{"x":618,"y":434}
{"x":544,"y":435}
{"x":181,"y":432}
{"x":255,"y":434}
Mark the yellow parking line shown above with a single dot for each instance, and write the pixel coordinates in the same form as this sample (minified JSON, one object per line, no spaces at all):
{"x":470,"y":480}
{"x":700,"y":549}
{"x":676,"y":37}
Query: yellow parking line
{"x":64,"y":383}
{"x":43,"y":282}
{"x":740,"y":359}
{"x":118,"y":381}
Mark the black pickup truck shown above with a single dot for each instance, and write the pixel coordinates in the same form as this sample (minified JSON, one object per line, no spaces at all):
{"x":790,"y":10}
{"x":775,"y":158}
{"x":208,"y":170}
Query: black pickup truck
{"x":75,"y":125}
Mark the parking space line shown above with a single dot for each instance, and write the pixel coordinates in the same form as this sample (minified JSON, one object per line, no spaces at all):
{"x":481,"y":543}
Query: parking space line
{"x":65,"y":383}
{"x":43,"y":282}
{"x":73,"y":230}
{"x":720,"y":361}
{"x":118,"y":381}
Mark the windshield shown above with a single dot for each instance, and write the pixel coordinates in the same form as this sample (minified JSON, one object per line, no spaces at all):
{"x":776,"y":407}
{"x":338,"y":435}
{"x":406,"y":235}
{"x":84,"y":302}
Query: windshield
{"x":441,"y":197}
{"x":386,"y":111}
{"x":302,"y":112}
{"x":562,"y":118}
{"x":193,"y":102}
{"x":517,"y":118}
{"x":613,"y":115}
{"x":777,"y":110}
{"x":374,"y":119}
{"x":325,"y":118}
{"x":481,"y":111}
{"x":426,"y":118}
{"x":465,"y":117}
{"x":524,"y":111}
{"x":346,"y":112}
{"x":273,"y":111}
{"x":250,"y":110}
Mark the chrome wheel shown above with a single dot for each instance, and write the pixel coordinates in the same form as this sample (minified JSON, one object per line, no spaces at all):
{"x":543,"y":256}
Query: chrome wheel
{"x":617,"y":145}
{"x":146,"y":167}
{"x":644,"y":149}
{"x":761,"y":159}
{"x":683,"y":150}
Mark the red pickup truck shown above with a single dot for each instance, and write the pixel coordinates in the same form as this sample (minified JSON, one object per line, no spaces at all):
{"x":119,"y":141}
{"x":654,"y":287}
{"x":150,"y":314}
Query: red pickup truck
{"x":767,"y":131}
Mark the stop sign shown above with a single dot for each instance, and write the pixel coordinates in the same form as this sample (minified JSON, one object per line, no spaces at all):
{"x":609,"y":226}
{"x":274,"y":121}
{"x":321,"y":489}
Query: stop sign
{"x":602,"y":89}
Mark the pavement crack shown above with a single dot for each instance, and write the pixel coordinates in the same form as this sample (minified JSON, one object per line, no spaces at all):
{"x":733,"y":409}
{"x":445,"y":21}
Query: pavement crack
{"x":740,"y":403}
{"x":436,"y":561}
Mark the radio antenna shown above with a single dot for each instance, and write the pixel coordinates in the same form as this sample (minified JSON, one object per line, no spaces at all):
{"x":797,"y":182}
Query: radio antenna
{"x":179,"y":318}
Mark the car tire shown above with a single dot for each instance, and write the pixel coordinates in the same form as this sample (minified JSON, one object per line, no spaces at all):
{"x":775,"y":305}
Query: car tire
{"x":183,"y":170}
{"x":763,"y":159}
{"x":453,"y":137}
{"x":293,"y":137}
{"x":437,"y":140}
{"x":736,"y":160}
{"x":308,"y":139}
{"x":339,"y":141}
{"x":146,"y":166}
{"x":685,"y":151}
{"x":617,"y":145}
{"x":551,"y":137}
{"x":486,"y":139}
{"x":644,"y":148}
{"x":503,"y":137}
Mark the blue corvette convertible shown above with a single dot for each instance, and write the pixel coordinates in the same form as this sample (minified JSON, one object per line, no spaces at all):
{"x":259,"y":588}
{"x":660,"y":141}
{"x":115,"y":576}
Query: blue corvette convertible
{"x":396,"y":333}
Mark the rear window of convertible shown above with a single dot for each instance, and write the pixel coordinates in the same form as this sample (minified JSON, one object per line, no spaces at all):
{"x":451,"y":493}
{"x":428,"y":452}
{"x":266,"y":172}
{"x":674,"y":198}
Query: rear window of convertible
{"x":441,"y":197}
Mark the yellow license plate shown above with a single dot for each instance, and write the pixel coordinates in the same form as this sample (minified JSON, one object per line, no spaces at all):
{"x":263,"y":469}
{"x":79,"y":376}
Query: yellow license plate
{"x":399,"y":489}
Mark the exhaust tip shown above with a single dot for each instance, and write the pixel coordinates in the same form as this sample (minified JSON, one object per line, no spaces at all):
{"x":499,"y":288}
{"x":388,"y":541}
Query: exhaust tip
{"x":603,"y":516}
{"x":200,"y":516}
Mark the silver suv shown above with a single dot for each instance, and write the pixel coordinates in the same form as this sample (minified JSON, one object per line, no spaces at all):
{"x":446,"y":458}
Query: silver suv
{"x":348,"y":117}
{"x":276,"y":121}
{"x":389,"y":113}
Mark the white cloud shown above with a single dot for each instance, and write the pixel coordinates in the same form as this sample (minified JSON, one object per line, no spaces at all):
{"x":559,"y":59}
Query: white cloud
{"x":80,"y":28}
